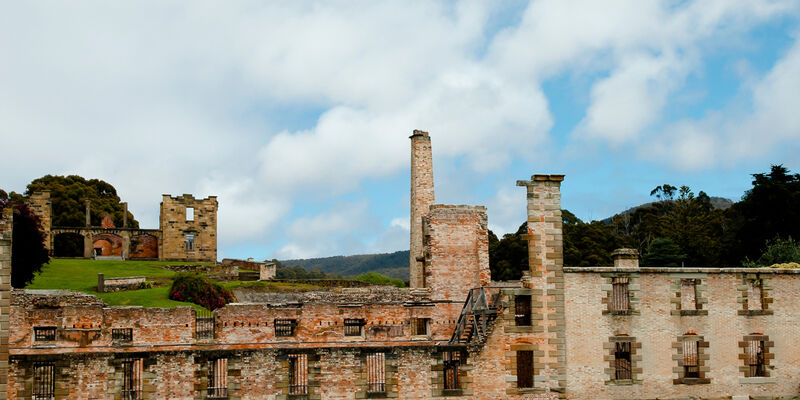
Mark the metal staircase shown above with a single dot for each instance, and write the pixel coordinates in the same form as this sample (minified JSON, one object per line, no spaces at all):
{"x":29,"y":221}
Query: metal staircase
{"x":477,"y":317}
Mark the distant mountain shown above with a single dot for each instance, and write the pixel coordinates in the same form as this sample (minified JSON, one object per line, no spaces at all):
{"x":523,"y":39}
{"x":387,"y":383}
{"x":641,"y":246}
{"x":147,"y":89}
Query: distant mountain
{"x":716,"y":202}
{"x":393,"y":265}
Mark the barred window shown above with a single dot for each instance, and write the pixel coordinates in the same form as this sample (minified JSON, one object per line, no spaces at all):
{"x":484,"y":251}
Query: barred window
{"x":688,"y":294}
{"x":352,"y":326}
{"x":285,"y":327}
{"x":754,"y":353}
{"x":44,"y":381}
{"x":218,"y":378}
{"x":620,"y":300}
{"x":376,"y":373}
{"x":204,"y":324}
{"x":44,"y":334}
{"x":419,"y":326}
{"x":452,"y":362}
{"x":524,"y":369}
{"x":622,"y":360}
{"x":691,"y":366}
{"x":189,"y":241}
{"x":122,"y":334}
{"x":522,"y":310}
{"x":132,"y":379}
{"x":298,"y":374}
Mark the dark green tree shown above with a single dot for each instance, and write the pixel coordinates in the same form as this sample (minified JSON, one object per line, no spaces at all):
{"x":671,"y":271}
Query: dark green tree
{"x":663,"y":252}
{"x":777,"y":251}
{"x":68,"y":194}
{"x":508,"y":257}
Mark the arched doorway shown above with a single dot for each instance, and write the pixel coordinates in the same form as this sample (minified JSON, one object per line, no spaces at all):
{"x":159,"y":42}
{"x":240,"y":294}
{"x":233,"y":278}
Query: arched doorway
{"x":106,"y":244}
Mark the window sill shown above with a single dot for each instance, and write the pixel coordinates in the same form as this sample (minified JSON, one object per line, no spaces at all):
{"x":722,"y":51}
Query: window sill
{"x":758,"y":380}
{"x":685,"y":313}
{"x":452,"y":392}
{"x":376,"y":395}
{"x":692,"y":381}
{"x":750,"y":313}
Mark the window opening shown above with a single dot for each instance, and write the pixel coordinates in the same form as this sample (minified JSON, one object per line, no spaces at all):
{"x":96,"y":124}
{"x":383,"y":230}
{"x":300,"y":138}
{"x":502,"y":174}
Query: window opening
{"x":755,"y":357}
{"x":132,"y":379}
{"x":204,"y":324}
{"x":755,"y":293}
{"x":452,"y":362}
{"x":44,"y":386}
{"x":691,"y":366}
{"x":522,"y":310}
{"x":620,"y":299}
{"x":218,"y":378}
{"x":419,"y":326}
{"x":44,"y":334}
{"x":189,"y":241}
{"x":525,"y":369}
{"x":688,"y":294}
{"x":298,"y":374}
{"x":376,"y":373}
{"x":122,"y":334}
{"x":622,"y":360}
{"x":285,"y":327}
{"x":190,"y":213}
{"x":352,"y":327}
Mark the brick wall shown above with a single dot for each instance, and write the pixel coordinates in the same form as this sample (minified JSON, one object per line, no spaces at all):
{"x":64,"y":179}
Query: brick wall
{"x":422,"y":197}
{"x":456,"y":242}
{"x":659,"y":329}
{"x":175,"y":226}
{"x":6,"y":225}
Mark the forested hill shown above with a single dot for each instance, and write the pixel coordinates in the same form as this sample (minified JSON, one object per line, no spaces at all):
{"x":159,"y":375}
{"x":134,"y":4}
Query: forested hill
{"x":393,"y":265}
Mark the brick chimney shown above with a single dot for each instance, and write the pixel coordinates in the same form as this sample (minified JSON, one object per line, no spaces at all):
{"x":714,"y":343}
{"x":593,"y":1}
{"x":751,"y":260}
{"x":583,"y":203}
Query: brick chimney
{"x":421,"y":200}
{"x":625,"y":258}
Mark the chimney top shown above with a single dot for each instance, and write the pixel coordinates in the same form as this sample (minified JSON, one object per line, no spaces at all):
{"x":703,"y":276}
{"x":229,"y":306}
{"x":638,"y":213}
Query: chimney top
{"x":418,"y":132}
{"x":626,"y":258}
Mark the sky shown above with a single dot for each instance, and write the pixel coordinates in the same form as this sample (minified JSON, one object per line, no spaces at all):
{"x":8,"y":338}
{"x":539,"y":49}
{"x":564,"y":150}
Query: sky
{"x":297,"y":114}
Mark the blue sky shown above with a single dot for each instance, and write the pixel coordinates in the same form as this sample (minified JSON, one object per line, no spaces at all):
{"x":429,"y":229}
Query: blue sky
{"x":297,"y":114}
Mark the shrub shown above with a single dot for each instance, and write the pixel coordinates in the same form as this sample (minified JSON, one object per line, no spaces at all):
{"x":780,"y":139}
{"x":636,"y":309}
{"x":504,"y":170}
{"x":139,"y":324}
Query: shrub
{"x":777,"y":251}
{"x":378,"y":279}
{"x":197,"y":289}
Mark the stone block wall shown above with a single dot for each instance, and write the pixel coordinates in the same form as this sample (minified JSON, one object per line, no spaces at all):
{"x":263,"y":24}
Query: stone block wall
{"x":456,"y":252}
{"x":6,"y":225}
{"x":660,"y":331}
{"x":175,"y":225}
{"x":42,"y":206}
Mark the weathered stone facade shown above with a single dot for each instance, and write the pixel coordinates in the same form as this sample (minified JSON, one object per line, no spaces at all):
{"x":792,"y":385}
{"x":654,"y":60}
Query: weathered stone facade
{"x":618,"y":332}
{"x":42,"y":206}
{"x":188,"y":228}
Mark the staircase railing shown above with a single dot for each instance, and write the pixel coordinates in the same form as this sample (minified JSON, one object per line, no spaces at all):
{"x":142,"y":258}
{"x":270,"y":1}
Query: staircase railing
{"x":479,"y":310}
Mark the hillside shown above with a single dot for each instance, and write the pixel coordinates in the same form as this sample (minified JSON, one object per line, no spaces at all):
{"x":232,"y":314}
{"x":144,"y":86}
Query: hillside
{"x":717,"y":202}
{"x":393,"y":265}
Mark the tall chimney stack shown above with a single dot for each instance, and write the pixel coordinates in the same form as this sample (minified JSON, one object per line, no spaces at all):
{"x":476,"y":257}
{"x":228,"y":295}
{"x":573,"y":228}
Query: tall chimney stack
{"x":421,"y":200}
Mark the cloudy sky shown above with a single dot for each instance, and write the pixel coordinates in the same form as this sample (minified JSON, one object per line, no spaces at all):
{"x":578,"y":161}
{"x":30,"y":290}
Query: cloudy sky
{"x":297,"y":114}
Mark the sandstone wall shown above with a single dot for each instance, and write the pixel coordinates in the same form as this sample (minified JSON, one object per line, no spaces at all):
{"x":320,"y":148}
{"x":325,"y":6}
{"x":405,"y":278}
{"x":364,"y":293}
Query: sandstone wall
{"x":42,"y":206}
{"x":657,"y":323}
{"x":6,"y":225}
{"x":456,"y":240}
{"x":175,"y":226}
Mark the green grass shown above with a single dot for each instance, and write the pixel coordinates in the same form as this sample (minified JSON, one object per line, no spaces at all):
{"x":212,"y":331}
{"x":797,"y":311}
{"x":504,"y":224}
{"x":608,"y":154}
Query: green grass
{"x":81,"y":275}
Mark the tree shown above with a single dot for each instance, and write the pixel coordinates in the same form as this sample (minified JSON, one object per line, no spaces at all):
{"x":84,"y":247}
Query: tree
{"x":68,"y":194}
{"x":508,"y":257}
{"x":28,"y":251}
{"x":588,"y":244}
{"x":777,"y":251}
{"x":663,"y":252}
{"x":771,"y":207}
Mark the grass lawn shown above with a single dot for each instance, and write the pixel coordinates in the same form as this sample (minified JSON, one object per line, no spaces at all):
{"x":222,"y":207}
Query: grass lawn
{"x":81,"y":275}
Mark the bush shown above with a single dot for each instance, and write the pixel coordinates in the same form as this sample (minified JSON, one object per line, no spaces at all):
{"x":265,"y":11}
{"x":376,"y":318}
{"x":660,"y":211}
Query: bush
{"x":778,"y":251}
{"x":197,"y":289}
{"x":378,"y":279}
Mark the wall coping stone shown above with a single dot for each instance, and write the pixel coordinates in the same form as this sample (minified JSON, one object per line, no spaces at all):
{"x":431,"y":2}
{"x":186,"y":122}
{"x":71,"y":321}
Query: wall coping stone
{"x":674,"y":270}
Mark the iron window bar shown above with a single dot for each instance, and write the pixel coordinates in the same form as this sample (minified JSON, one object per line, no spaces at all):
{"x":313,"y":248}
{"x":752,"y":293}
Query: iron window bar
{"x":44,"y":385}
{"x":285,"y":327}
{"x":691,"y":367}
{"x":44,"y":334}
{"x":132,"y":379}
{"x":204,"y":324}
{"x":376,"y":373}
{"x":218,"y":378}
{"x":353,"y":326}
{"x":122,"y":334}
{"x":452,"y":362}
{"x":622,"y":361}
{"x":298,"y":374}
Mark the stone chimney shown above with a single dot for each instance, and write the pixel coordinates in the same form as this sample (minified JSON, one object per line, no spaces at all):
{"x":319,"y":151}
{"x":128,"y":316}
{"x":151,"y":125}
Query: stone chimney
{"x":421,"y":200}
{"x":625,"y":258}
{"x":88,"y":212}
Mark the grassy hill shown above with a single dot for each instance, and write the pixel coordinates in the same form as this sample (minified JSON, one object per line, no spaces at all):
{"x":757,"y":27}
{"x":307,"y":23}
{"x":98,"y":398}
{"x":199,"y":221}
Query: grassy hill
{"x":393,"y":265}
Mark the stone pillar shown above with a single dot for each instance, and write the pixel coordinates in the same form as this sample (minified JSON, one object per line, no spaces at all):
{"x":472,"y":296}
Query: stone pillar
{"x":625,"y":258}
{"x":88,"y":246}
{"x":88,"y":213}
{"x":125,"y":215}
{"x":422,"y":199}
{"x":126,"y":244}
{"x":42,"y":206}
{"x":6,"y":223}
{"x":546,"y":262}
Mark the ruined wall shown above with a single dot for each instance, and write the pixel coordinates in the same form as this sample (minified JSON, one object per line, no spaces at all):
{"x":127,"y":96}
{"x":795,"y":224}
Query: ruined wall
{"x":456,"y":244}
{"x":175,"y":226}
{"x":6,"y":225}
{"x":144,"y":246}
{"x":657,"y":323}
{"x":422,"y":197}
{"x":42,"y":206}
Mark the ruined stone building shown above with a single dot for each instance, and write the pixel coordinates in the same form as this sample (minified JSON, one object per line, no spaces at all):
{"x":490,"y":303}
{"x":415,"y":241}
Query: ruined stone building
{"x":607,"y":332}
{"x":187,"y":231}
